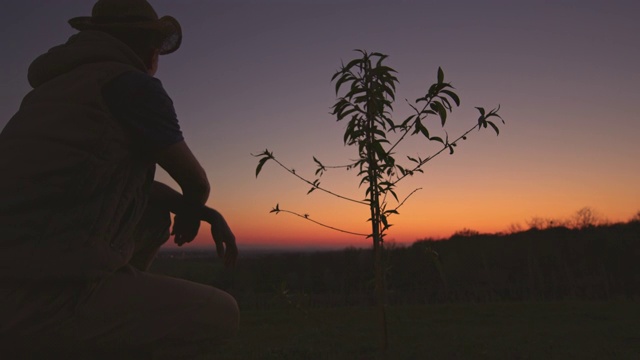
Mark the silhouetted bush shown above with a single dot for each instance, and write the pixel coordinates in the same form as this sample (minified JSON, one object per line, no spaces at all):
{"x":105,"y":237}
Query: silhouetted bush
{"x":591,"y":263}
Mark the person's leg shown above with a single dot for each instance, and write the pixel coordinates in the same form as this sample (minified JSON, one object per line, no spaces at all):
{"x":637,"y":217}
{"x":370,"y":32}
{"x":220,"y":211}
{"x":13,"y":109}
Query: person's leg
{"x":135,"y":312}
{"x":29,"y":311}
{"x":130,"y":314}
{"x":150,"y":234}
{"x":164,"y":315}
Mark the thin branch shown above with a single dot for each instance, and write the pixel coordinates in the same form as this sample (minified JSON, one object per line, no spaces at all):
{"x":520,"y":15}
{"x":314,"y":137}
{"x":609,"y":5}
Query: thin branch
{"x":306,"y":217}
{"x":348,"y":166}
{"x":436,"y":154}
{"x":292,"y":172}
{"x":384,"y":199}
{"x":410,"y":126}
{"x":406,"y":198}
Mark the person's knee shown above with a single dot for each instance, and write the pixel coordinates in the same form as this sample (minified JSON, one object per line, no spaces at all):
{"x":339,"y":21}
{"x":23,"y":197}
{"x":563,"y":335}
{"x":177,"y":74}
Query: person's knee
{"x":224,"y":315}
{"x":231,"y":319}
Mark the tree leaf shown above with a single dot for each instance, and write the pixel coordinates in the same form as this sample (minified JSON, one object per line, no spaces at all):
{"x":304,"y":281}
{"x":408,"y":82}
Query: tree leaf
{"x":440,"y":75}
{"x":354,"y":62}
{"x":343,"y":114}
{"x":494,"y":127}
{"x":339,"y":83}
{"x":377,"y":147}
{"x":394,"y":194}
{"x":442,"y":112}
{"x":453,"y":96}
{"x":383,"y":218}
{"x":481,"y":121}
{"x":261,"y":164}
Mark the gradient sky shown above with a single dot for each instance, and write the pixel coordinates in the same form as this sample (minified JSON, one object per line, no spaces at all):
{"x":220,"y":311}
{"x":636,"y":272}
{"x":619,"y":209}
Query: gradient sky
{"x":252,"y":75}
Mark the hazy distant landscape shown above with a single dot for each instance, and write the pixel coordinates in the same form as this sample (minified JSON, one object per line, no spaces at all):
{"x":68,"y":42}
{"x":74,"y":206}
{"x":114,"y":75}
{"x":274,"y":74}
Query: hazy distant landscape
{"x":549,"y":292}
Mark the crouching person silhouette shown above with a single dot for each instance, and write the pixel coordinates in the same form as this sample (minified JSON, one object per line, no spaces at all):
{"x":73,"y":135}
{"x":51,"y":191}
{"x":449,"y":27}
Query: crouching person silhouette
{"x":81,"y":217}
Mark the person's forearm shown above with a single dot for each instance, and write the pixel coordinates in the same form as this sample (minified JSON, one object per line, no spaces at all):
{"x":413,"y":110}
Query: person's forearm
{"x":210,"y":215}
{"x":195,"y":193}
{"x":165,"y":197}
{"x":175,"y":202}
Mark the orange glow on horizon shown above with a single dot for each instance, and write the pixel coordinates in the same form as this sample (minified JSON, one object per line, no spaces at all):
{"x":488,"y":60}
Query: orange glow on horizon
{"x":291,"y":232}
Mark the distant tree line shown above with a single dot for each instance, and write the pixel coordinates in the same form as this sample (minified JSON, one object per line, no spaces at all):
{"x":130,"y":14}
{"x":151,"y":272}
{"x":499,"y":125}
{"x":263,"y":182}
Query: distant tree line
{"x":591,"y":262}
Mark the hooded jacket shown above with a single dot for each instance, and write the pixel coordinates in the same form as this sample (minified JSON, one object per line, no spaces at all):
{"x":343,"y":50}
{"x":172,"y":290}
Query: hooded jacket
{"x":74,"y":181}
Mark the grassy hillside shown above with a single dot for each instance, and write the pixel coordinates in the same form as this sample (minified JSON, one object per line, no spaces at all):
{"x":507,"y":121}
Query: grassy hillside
{"x":566,"y":330}
{"x":594,"y":263}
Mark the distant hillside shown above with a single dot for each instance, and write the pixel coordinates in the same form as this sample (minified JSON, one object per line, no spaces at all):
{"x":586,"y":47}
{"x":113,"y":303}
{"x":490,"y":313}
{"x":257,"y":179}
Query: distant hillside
{"x":595,"y":262}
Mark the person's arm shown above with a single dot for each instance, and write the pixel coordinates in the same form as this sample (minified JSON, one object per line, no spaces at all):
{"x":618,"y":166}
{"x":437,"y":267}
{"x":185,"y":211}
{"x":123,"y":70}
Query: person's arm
{"x":220,"y":231}
{"x":139,"y":101}
{"x":184,"y":168}
{"x":223,"y":237}
{"x":164,"y":197}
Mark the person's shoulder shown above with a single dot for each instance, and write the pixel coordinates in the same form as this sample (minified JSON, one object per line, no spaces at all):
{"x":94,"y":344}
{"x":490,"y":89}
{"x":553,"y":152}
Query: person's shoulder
{"x":135,"y":78}
{"x":133,"y":84}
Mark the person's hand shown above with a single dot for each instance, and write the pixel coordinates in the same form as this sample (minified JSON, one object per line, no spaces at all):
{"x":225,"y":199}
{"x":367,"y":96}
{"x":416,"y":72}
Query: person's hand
{"x":224,"y":239}
{"x":185,"y":228}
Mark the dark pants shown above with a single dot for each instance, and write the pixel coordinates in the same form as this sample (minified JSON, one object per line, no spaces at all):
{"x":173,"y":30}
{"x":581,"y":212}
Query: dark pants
{"x":128,"y":314}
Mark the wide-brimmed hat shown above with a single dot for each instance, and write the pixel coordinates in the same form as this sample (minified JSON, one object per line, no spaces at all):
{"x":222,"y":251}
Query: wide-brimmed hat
{"x":131,"y":14}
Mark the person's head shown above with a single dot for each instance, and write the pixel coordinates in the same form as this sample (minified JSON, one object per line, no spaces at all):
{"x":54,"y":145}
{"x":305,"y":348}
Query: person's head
{"x":135,"y":23}
{"x":145,"y":43}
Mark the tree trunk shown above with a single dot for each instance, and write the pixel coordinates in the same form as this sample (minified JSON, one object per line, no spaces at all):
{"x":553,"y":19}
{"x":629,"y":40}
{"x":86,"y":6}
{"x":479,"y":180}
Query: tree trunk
{"x":378,"y":245}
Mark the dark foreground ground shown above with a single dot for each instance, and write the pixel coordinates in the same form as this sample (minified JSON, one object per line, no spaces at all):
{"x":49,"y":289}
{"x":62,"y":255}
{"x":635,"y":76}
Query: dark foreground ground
{"x":557,"y":293}
{"x":565,"y":330}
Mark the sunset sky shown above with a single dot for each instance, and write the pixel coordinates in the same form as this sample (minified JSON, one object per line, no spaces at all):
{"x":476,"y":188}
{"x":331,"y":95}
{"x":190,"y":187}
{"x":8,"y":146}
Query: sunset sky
{"x":252,"y":75}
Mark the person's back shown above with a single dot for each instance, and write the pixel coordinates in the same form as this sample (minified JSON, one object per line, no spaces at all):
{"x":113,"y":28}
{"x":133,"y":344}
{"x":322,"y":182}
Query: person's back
{"x":81,"y":217}
{"x":75,"y":179}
